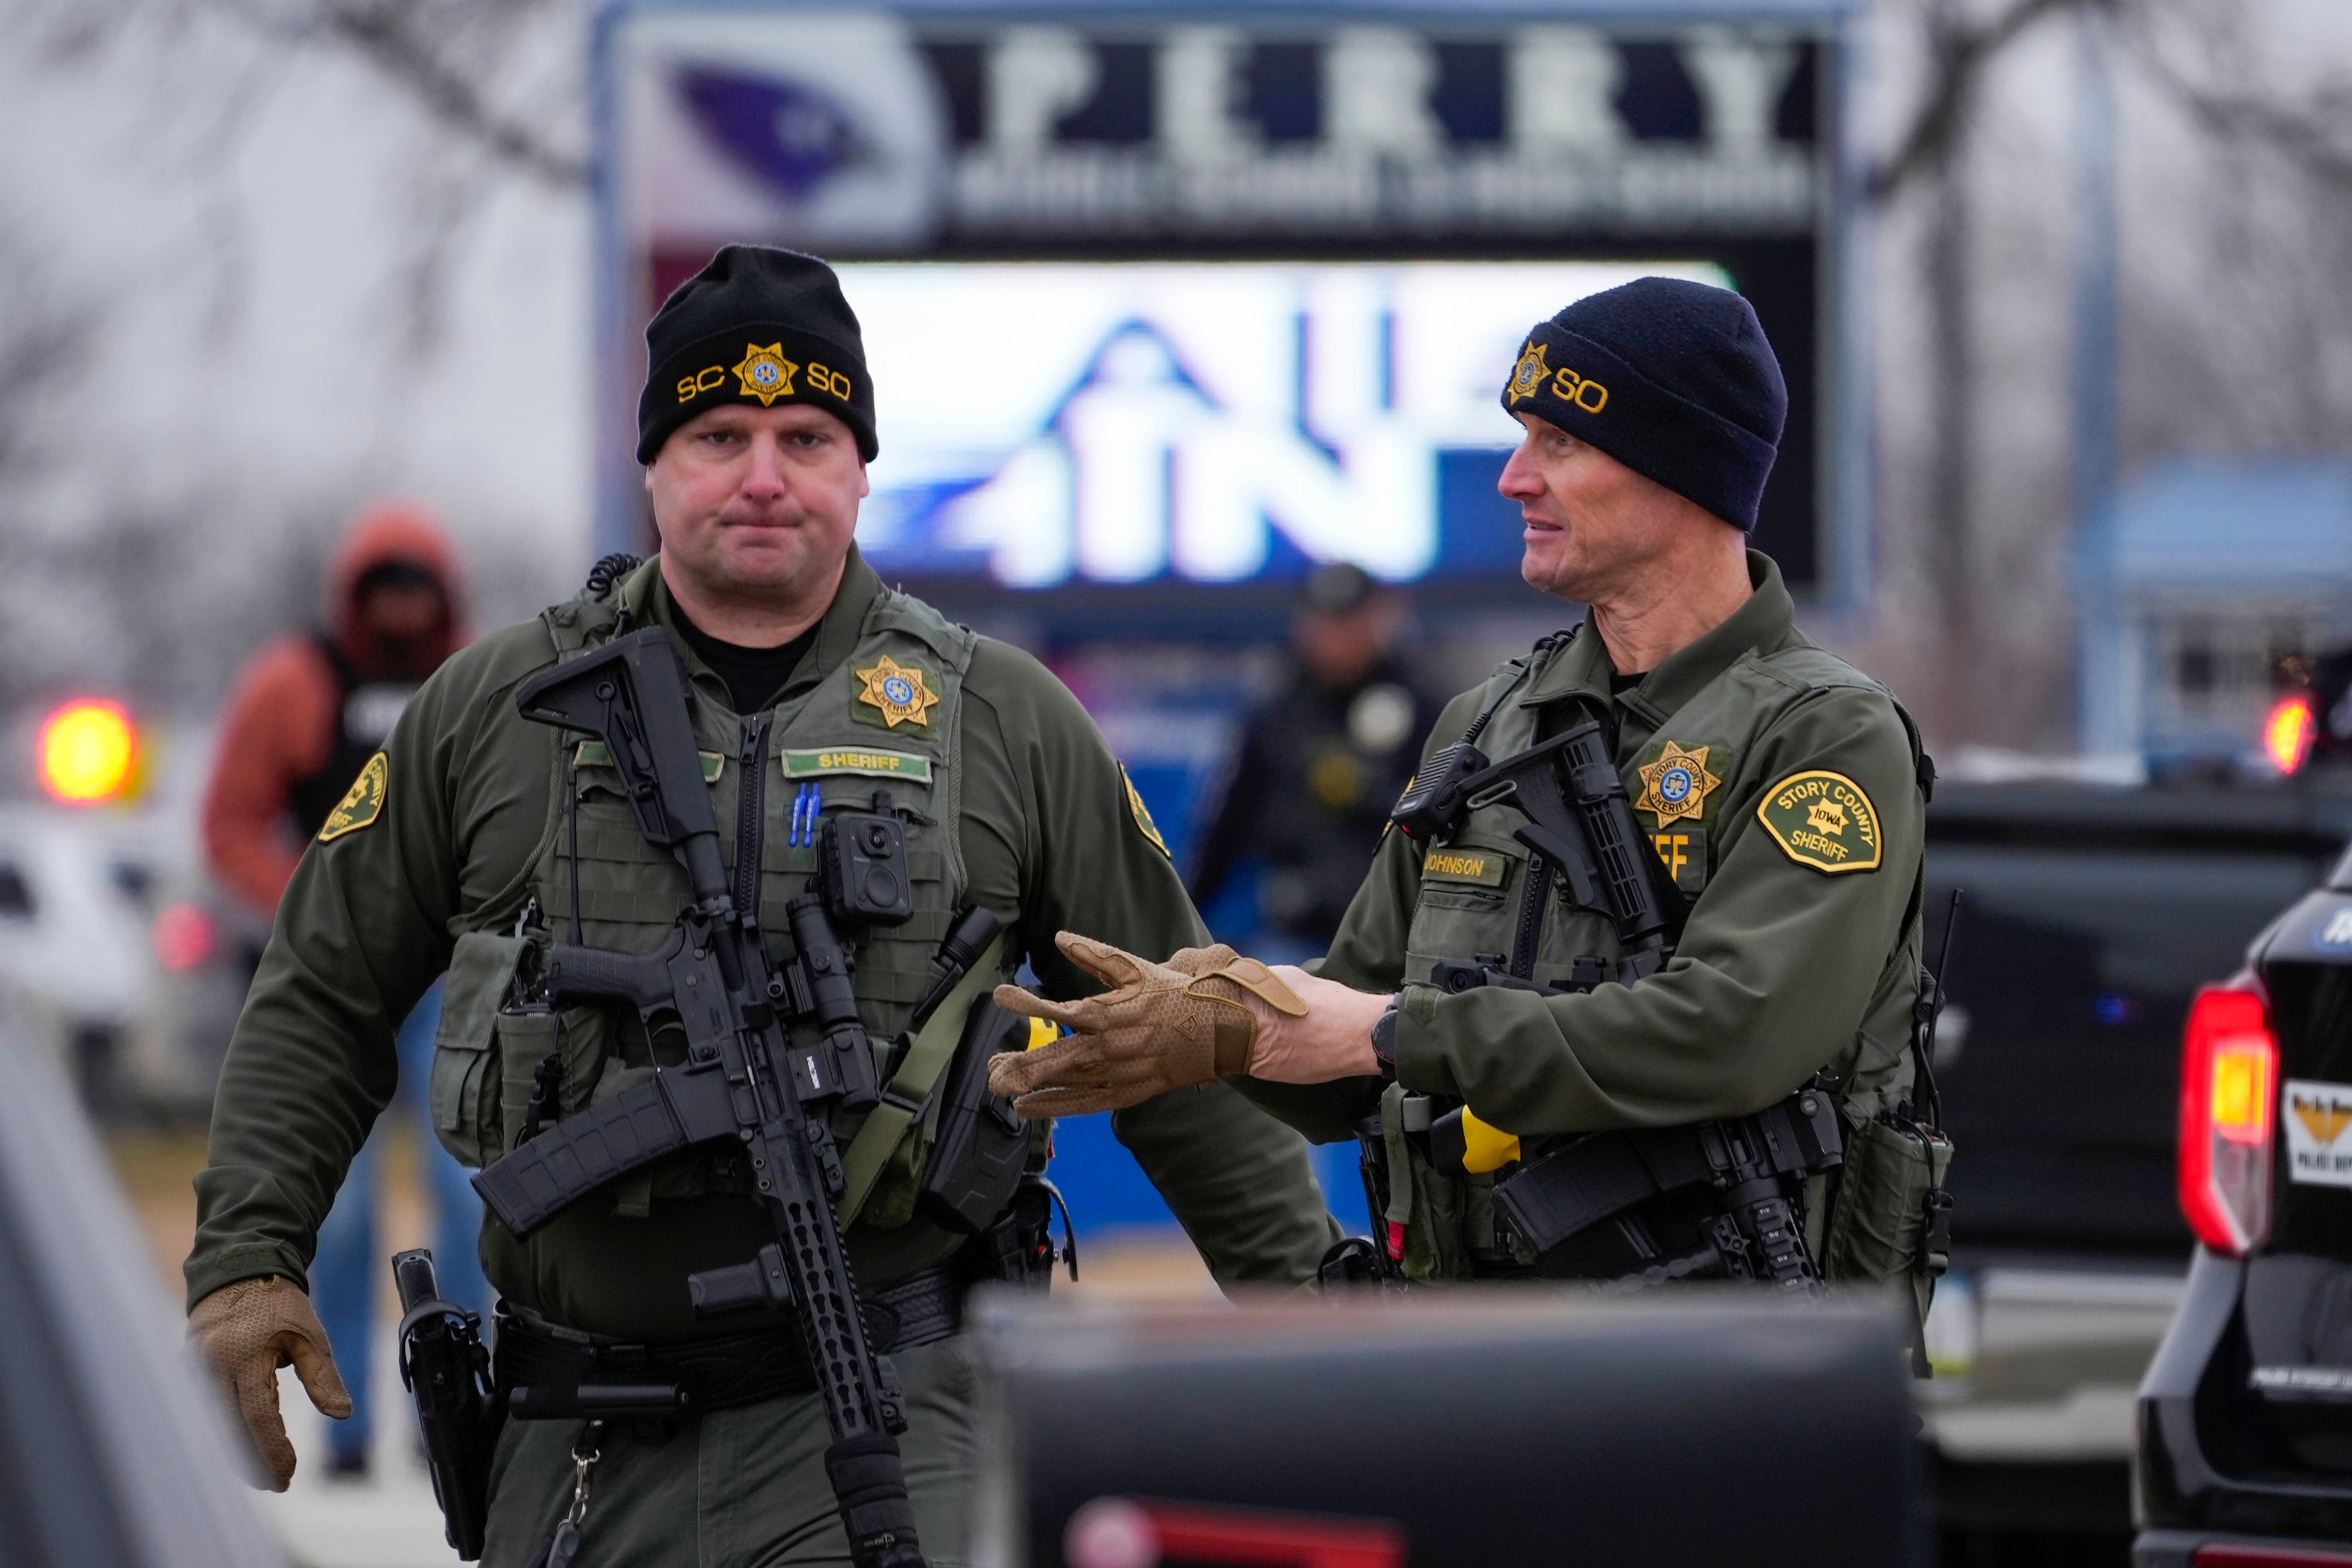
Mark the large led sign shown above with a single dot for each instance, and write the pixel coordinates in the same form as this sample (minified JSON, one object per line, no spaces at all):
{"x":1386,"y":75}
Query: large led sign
{"x":1049,"y":423}
{"x":1164,"y":292}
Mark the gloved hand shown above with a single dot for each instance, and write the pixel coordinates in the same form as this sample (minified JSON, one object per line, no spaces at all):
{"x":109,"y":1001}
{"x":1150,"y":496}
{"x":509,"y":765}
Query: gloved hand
{"x":246,"y":1332}
{"x":1161,"y":1027}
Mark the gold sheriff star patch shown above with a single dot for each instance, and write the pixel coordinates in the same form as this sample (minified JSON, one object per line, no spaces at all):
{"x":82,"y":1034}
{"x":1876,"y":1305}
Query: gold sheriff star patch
{"x":765,"y":373}
{"x":1530,"y":373}
{"x":900,"y":691}
{"x":1676,"y":786}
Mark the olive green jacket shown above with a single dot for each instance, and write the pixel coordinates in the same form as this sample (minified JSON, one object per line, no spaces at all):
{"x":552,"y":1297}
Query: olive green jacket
{"x":1048,"y":833}
{"x":1782,"y":969}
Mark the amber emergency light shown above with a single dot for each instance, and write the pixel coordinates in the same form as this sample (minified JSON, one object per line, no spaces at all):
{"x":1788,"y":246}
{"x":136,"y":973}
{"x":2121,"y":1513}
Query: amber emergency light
{"x":88,"y":752}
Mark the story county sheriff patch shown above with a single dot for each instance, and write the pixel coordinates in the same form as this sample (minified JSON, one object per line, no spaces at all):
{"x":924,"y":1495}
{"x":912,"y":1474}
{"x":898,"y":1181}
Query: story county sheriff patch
{"x":900,"y":693}
{"x":765,"y":373}
{"x":1676,"y":786}
{"x":361,"y":804}
{"x":1142,"y":813}
{"x":1823,"y":820}
{"x":1530,"y":373}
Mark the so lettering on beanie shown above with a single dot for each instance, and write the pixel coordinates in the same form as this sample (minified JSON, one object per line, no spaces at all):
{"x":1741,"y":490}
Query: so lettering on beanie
{"x":758,"y":325}
{"x":1672,"y":379}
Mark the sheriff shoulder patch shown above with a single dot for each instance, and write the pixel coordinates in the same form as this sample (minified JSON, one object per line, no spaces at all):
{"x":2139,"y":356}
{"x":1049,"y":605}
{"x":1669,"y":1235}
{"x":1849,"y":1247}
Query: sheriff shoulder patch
{"x":898,"y":694}
{"x":1141,"y":813}
{"x":361,"y":804}
{"x":1823,"y":820}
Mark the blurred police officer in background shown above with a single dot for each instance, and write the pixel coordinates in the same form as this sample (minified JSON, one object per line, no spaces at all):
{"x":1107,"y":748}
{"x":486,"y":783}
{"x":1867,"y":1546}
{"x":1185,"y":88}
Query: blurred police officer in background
{"x":1778,"y":796}
{"x":1319,"y":764}
{"x":476,"y":832}
{"x":306,"y":712}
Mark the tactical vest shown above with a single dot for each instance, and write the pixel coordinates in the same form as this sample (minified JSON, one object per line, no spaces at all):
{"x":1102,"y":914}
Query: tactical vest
{"x":1475,"y":900}
{"x":597,"y":881}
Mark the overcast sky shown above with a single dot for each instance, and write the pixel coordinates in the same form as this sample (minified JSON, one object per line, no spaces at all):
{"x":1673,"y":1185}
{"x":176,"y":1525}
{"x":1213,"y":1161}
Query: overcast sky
{"x":236,"y":213}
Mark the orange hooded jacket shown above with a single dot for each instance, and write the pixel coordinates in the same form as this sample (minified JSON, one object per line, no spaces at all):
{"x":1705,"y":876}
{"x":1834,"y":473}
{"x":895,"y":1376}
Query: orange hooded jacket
{"x":285,"y":718}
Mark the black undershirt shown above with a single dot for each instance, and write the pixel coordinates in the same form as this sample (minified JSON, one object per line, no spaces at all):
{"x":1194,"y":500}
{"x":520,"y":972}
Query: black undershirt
{"x":1620,"y":684}
{"x":754,"y":676}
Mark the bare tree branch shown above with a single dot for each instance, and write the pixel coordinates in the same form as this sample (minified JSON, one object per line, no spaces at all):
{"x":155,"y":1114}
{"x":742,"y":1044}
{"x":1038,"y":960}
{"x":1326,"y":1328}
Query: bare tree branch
{"x":386,"y":35}
{"x":2304,"y":134}
{"x":1961,"y":53}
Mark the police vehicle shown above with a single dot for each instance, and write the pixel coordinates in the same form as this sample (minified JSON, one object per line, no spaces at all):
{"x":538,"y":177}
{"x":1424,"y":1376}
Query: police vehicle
{"x":2245,"y":1416}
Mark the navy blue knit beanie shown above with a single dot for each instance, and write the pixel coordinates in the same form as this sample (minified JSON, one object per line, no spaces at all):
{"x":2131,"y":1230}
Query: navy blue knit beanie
{"x":1672,"y":379}
{"x":758,"y":325}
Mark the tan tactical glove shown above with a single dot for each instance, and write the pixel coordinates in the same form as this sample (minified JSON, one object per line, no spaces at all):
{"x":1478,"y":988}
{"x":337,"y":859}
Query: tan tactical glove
{"x":246,"y":1331}
{"x":1161,"y":1027}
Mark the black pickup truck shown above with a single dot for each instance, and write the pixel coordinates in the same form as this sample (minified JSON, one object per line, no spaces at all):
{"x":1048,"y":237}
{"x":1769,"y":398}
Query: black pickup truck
{"x":2092,"y":916}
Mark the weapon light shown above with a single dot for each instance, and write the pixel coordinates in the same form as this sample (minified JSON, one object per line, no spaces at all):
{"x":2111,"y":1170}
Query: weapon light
{"x":88,"y":752}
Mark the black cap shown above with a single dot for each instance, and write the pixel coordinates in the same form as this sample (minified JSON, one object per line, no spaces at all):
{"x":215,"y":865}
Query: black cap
{"x":1336,"y":587}
{"x":758,"y":325}
{"x":1672,"y":379}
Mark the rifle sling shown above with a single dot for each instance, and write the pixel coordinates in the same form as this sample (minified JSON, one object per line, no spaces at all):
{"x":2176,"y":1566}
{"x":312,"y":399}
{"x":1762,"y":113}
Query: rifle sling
{"x":909,"y":1091}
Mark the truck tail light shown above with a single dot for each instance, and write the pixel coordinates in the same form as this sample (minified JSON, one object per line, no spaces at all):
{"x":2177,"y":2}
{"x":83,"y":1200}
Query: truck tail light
{"x":2228,"y":1095}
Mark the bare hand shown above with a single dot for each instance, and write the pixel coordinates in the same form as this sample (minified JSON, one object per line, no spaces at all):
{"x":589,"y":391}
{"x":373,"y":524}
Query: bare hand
{"x":1332,"y":1040}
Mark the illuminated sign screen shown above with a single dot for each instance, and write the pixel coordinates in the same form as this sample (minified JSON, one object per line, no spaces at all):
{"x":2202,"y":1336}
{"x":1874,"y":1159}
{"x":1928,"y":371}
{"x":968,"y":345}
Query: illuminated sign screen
{"x":1175,"y":297}
{"x":1053,"y":423}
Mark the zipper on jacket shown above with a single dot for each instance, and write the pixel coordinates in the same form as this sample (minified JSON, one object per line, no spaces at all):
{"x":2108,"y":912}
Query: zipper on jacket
{"x":1531,"y":912}
{"x":751,"y":820}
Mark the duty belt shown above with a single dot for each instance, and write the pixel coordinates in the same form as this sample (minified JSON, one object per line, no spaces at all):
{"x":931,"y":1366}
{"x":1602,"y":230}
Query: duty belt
{"x":553,"y":1373}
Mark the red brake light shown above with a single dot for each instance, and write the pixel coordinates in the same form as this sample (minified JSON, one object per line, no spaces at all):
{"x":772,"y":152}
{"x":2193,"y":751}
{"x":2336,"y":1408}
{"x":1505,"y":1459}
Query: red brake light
{"x":2288,"y":733}
{"x":2229,"y":1097}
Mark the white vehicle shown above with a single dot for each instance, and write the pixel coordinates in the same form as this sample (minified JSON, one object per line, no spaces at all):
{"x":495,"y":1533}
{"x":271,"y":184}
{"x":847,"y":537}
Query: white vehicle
{"x":111,"y":959}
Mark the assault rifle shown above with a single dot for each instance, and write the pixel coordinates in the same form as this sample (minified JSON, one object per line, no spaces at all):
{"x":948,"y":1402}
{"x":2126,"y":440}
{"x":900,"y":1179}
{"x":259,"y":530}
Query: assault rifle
{"x":1580,"y":825}
{"x":743,"y":1079}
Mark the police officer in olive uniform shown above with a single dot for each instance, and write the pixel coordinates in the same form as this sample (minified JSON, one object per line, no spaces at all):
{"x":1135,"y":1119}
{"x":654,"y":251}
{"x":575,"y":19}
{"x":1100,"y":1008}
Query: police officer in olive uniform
{"x":1780,"y":790}
{"x":814,"y":687}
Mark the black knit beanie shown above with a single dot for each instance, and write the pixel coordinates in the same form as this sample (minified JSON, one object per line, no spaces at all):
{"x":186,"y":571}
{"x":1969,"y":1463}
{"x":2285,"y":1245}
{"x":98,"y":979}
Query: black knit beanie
{"x":758,"y":325}
{"x":1672,"y":379}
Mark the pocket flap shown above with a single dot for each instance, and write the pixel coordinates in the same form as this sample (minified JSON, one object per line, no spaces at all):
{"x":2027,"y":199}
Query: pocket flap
{"x":480,"y":968}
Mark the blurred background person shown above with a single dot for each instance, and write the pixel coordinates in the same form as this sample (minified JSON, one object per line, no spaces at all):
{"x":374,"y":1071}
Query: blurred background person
{"x":308,"y":711}
{"x":1319,"y":765}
